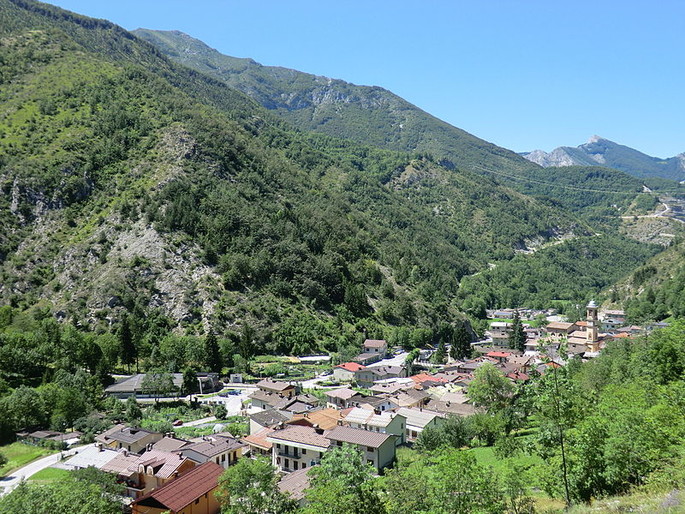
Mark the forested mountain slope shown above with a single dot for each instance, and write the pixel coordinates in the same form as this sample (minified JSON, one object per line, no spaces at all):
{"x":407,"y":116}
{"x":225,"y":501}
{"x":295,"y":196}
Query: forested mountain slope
{"x":378,"y":117}
{"x":131,"y":182}
{"x":367,"y":114}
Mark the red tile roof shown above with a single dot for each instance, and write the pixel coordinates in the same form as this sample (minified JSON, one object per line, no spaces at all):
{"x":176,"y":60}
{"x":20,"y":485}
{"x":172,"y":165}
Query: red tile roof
{"x":498,"y":354}
{"x":188,"y":487}
{"x":351,"y":366}
{"x":424,"y":377}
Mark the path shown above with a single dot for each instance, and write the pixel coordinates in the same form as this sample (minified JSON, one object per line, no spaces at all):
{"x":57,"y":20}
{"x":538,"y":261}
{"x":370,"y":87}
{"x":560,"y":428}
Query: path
{"x":10,"y":482}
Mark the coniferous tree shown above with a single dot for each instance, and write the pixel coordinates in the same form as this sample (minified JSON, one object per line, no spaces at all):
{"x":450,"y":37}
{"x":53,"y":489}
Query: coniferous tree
{"x":128,"y":345}
{"x":212,"y":354}
{"x":517,"y":338}
{"x":461,"y":343}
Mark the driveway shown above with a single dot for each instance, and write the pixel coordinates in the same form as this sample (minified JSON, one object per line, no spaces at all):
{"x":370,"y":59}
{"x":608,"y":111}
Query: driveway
{"x":10,"y":482}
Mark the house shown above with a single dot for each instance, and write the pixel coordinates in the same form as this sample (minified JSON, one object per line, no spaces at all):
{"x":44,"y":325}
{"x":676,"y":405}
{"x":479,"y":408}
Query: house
{"x":298,"y":404}
{"x":378,"y":346}
{"x":297,"y":447}
{"x":560,"y":329}
{"x":143,"y":473}
{"x":340,"y":398}
{"x":42,"y":436}
{"x":94,"y":456}
{"x":499,"y":356}
{"x":367,"y":358}
{"x":377,"y":403}
{"x":376,"y":448}
{"x":366,"y":377}
{"x":418,"y":420}
{"x":257,"y":442}
{"x":134,"y":386}
{"x":135,"y":440}
{"x":499,"y":332}
{"x":169,"y":443}
{"x":385,"y":423}
{"x":191,"y":493}
{"x":271,"y":386}
{"x":266,"y":418}
{"x":321,"y":418}
{"x":295,"y":484}
{"x":449,"y":407}
{"x":223,"y":449}
{"x":345,"y":372}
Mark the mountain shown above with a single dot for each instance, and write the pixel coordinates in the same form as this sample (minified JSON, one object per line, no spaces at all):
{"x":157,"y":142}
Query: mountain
{"x":600,"y":151}
{"x":366,"y":114}
{"x":134,"y":184}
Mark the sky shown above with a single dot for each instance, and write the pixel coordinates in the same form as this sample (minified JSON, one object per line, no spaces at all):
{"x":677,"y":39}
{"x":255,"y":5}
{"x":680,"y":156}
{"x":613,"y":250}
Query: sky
{"x":523,"y":74}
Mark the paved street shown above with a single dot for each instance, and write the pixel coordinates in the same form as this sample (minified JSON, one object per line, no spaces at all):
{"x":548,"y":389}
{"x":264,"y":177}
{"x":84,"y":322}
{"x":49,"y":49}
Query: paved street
{"x":11,"y":481}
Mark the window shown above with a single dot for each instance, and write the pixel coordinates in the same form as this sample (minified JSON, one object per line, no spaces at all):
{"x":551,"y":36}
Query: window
{"x":278,"y":445}
{"x":339,"y":443}
{"x":295,"y":465}
{"x":304,"y":465}
{"x":223,"y":458}
{"x":287,"y":463}
{"x":304,"y":452}
{"x":369,"y":449}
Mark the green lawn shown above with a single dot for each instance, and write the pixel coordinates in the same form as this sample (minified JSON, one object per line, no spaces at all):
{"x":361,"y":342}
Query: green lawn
{"x":486,"y":457}
{"x":50,"y":475}
{"x":20,"y":454}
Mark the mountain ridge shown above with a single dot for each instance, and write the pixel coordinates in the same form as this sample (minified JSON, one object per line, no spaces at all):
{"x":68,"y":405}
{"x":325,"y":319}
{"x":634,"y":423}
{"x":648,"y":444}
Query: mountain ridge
{"x":599,"y":151}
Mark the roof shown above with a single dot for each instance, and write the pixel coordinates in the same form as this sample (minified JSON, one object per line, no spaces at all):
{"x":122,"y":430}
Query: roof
{"x":366,"y":356}
{"x":375,"y":343}
{"x":294,"y":484}
{"x":351,"y":366}
{"x":324,"y":418}
{"x":121,"y":463}
{"x":423,"y":377}
{"x":461,"y":409}
{"x":418,"y":417}
{"x":44,"y":434}
{"x":272,"y":385}
{"x":169,"y":444}
{"x":266,"y":397}
{"x":300,"y":434}
{"x":164,"y":464}
{"x":188,"y":487}
{"x":91,"y":456}
{"x":496,"y":355}
{"x":558,"y":325}
{"x":123,"y":434}
{"x":369,"y":417}
{"x":211,"y":446}
{"x":358,"y":436}
{"x":258,"y":439}
{"x":134,"y":383}
{"x":268,"y":417}
{"x":344,"y":393}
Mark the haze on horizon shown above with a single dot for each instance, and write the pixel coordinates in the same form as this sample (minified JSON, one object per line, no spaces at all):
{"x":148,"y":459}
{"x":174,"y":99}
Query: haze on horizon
{"x":524,"y":75}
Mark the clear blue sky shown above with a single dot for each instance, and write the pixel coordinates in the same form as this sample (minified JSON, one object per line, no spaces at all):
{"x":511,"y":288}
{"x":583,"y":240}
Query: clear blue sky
{"x":522,"y":74}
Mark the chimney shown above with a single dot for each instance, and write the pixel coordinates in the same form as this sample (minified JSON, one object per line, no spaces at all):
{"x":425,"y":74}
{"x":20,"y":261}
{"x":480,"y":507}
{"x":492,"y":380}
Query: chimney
{"x":319,"y":431}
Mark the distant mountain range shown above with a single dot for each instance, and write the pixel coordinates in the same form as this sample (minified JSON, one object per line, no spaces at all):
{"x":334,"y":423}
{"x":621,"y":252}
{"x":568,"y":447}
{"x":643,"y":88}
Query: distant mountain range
{"x":602,"y":152}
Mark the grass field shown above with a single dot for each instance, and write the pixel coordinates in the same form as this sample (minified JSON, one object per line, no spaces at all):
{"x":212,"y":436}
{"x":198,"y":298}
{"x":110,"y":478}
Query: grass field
{"x":20,"y":454}
{"x":49,"y":475}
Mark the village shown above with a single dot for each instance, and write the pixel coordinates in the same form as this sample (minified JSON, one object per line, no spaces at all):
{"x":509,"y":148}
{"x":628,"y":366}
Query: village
{"x":381,"y":400}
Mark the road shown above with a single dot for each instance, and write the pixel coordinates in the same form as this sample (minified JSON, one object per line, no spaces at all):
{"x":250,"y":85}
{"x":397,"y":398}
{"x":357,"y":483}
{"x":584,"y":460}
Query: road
{"x":10,"y":482}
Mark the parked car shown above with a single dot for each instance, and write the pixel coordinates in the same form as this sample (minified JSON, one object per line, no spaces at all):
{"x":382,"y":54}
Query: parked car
{"x":177,"y":423}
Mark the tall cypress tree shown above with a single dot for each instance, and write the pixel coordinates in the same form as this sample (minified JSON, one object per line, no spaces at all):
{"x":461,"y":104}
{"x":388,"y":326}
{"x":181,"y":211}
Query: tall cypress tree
{"x":461,"y":342}
{"x":212,"y":354}
{"x":129,"y":351}
{"x":517,"y":338}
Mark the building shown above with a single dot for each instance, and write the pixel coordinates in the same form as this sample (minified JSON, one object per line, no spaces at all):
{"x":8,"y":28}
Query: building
{"x":258,"y":443}
{"x":266,"y":418}
{"x":222,"y":449}
{"x":143,"y":473}
{"x":378,"y":346}
{"x":377,"y":449}
{"x":271,"y":386}
{"x":385,"y":423}
{"x":321,"y":418}
{"x":134,"y":386}
{"x":560,"y":329}
{"x":499,"y":332}
{"x":133,"y":439}
{"x":340,"y":398}
{"x":345,"y":372}
{"x":366,"y":377}
{"x":191,"y":493}
{"x":297,"y":447}
{"x":418,"y":420}
{"x":94,"y":456}
{"x":294,"y":485}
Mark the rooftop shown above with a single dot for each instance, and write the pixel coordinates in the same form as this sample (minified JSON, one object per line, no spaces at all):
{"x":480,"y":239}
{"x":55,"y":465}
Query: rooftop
{"x":351,"y":366}
{"x":294,"y":484}
{"x":272,"y":385}
{"x":344,"y":393}
{"x":269,"y":417}
{"x":123,"y":434}
{"x":324,"y":418}
{"x":179,"y":493}
{"x":210,"y":446}
{"x":258,"y":439}
{"x":358,"y":436}
{"x":375,"y":343}
{"x":369,"y":417}
{"x":299,"y":434}
{"x":418,"y":417}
